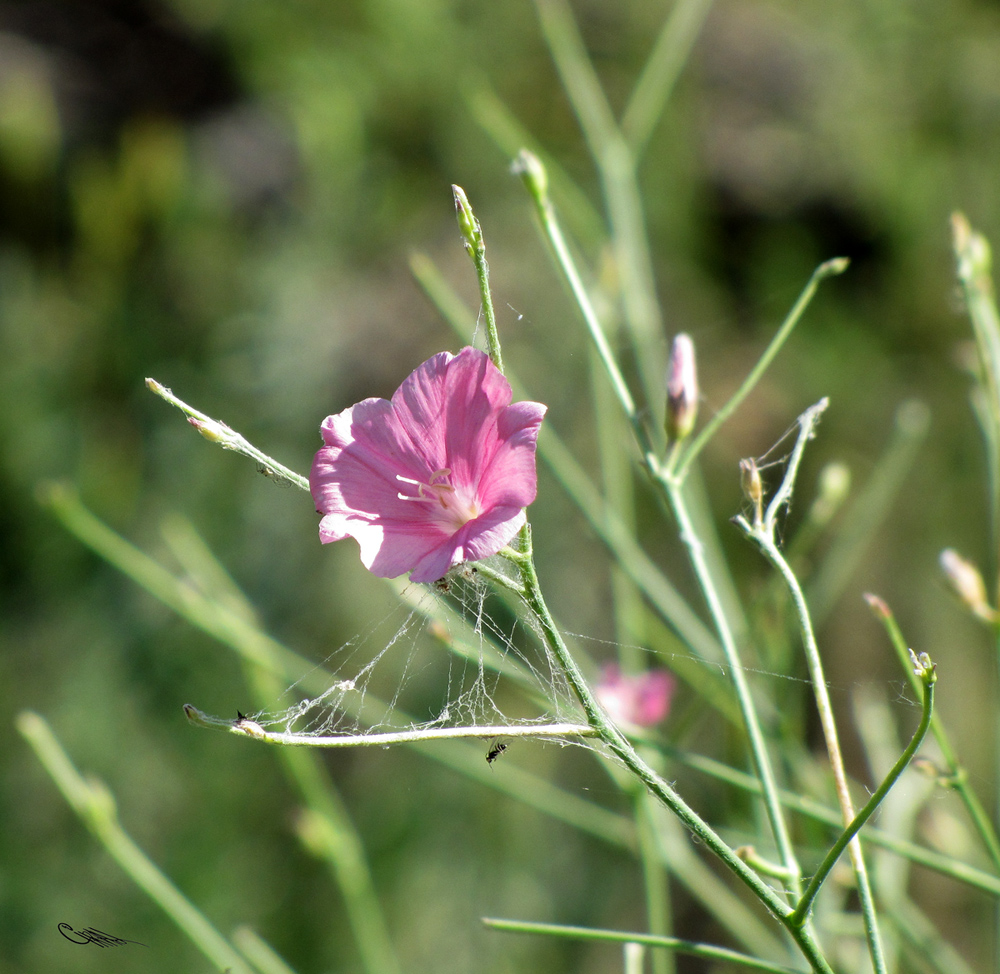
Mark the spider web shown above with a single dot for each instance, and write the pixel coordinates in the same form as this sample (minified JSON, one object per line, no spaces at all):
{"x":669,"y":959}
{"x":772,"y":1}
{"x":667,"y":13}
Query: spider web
{"x":455,"y":654}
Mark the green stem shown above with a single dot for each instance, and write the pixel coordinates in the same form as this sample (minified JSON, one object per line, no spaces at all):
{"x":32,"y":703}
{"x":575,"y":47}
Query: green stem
{"x":476,"y":246}
{"x":927,"y":671}
{"x":956,"y":776}
{"x":827,"y":269}
{"x":620,"y":747}
{"x":216,"y":431}
{"x":763,"y":533}
{"x":617,"y":170}
{"x":656,"y":83}
{"x":758,"y":746}
{"x":535,"y":179}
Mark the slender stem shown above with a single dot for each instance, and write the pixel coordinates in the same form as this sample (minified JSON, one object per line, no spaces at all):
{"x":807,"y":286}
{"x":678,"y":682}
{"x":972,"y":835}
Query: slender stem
{"x":656,"y":83}
{"x":476,"y":246}
{"x":939,"y":862}
{"x":973,"y":266}
{"x":956,"y":776}
{"x":928,"y":674}
{"x":676,"y":944}
{"x":827,"y":269}
{"x":763,"y":533}
{"x":535,"y":179}
{"x":218,"y":432}
{"x":758,"y":746}
{"x":617,"y":170}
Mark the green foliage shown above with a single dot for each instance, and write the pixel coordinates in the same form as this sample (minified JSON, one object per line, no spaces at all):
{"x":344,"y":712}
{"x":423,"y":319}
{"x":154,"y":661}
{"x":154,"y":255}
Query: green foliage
{"x":240,"y":226}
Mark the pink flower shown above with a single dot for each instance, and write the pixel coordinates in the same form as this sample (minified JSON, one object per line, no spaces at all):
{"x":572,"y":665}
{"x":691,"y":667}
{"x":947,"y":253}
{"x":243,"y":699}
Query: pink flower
{"x":439,"y":475}
{"x":642,"y":700}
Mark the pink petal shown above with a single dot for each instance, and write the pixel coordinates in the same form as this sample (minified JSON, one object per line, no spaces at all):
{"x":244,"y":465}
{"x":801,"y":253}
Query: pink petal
{"x":450,"y":422}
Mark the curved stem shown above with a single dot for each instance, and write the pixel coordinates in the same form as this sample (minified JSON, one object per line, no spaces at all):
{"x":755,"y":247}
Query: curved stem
{"x":927,"y":671}
{"x":689,"y":947}
{"x":763,"y":533}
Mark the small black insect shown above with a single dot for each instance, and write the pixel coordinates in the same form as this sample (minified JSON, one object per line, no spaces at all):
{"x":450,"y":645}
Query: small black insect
{"x":495,"y":752}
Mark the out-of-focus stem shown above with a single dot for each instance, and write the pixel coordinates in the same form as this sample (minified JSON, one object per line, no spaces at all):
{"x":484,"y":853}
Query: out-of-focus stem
{"x":95,"y":806}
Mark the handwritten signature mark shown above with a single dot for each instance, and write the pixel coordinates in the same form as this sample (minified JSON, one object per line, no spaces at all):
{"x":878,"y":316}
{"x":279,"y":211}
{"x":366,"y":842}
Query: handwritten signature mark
{"x":88,"y":935}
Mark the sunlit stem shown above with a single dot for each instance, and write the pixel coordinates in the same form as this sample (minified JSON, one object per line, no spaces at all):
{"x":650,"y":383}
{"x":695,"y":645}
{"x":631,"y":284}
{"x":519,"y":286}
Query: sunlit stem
{"x":533,"y":173}
{"x":217,"y":432}
{"x":617,"y":743}
{"x":476,"y":246}
{"x":247,"y":727}
{"x":762,"y":532}
{"x":927,"y":672}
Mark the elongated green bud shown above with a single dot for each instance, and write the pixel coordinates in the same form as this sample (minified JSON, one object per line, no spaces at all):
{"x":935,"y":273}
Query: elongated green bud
{"x":467,"y":222}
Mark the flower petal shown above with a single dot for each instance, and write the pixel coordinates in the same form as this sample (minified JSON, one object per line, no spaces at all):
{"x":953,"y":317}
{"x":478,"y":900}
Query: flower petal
{"x":436,"y":476}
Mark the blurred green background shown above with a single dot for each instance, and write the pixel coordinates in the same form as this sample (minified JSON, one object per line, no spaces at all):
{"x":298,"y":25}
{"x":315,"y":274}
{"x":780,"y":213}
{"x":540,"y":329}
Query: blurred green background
{"x":225,"y":196}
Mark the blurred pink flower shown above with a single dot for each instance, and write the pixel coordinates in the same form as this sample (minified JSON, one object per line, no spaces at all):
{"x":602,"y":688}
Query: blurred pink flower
{"x":642,"y":700}
{"x":439,"y":475}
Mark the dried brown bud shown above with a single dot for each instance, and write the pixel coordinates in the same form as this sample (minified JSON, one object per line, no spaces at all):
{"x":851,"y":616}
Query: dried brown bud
{"x":753,"y":487}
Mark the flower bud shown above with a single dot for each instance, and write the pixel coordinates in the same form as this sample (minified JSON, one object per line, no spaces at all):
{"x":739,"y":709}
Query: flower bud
{"x":529,"y":167}
{"x":967,"y":583}
{"x":467,"y":222}
{"x":834,"y":486}
{"x":212,"y":430}
{"x":879,"y":606}
{"x":753,"y":487}
{"x":682,"y":388}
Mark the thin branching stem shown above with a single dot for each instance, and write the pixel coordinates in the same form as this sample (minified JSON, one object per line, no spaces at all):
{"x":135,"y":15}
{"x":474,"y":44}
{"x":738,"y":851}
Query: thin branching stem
{"x":535,"y":179}
{"x":955,"y":776}
{"x":748,"y":710}
{"x":621,"y":748}
{"x":94,"y":804}
{"x":762,"y":532}
{"x":218,"y":432}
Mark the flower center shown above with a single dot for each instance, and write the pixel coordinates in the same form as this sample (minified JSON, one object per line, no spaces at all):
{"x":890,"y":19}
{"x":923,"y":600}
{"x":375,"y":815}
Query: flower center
{"x":449,"y":505}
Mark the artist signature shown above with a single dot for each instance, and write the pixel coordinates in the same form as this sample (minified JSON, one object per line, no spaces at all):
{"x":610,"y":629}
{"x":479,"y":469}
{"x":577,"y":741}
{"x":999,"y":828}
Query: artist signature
{"x":88,"y":935}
